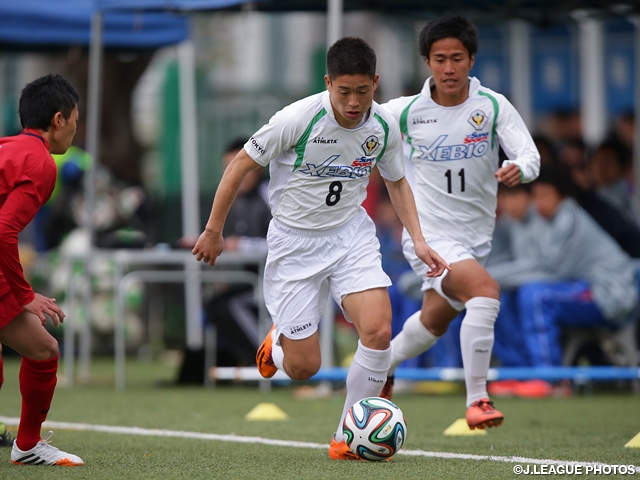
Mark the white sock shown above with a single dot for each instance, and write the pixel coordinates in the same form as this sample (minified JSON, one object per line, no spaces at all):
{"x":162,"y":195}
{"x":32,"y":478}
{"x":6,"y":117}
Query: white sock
{"x":476,"y":343}
{"x":366,"y":377}
{"x":277,"y":354}
{"x":411,"y":341}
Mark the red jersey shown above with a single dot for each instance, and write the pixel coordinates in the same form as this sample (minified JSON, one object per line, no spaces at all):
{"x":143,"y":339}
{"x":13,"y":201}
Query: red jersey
{"x":27,"y":177}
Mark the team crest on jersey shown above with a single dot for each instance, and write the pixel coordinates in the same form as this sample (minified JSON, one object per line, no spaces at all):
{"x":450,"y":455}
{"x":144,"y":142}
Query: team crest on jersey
{"x":370,"y":145}
{"x":478,"y":119}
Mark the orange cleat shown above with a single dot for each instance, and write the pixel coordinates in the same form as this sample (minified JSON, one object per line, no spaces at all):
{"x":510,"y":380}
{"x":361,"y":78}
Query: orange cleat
{"x":482,"y":414}
{"x":387,"y":390}
{"x":340,"y":451}
{"x":264,"y":361}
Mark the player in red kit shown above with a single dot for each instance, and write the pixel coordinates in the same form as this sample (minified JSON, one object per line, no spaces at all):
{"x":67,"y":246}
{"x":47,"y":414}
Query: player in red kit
{"x":48,"y":112}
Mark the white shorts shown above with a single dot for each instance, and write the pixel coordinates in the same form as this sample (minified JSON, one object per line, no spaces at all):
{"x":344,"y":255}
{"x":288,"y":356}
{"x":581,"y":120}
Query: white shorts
{"x":304,"y":266}
{"x":451,"y":251}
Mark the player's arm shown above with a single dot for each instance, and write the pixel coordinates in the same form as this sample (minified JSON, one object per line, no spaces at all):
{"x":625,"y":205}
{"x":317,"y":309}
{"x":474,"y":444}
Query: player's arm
{"x":523,"y":164}
{"x":210,"y":243}
{"x":404,"y":203}
{"x":20,"y":207}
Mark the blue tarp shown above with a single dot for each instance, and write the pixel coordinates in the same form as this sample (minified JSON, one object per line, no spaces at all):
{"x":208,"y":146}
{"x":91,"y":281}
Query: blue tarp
{"x":39,"y":23}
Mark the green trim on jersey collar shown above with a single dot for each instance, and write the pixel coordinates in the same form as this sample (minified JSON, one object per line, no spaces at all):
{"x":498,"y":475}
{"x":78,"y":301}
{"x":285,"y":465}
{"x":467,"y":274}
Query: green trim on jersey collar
{"x":302,"y":143}
{"x":404,"y":128}
{"x":495,"y":115}
{"x":385,"y":127}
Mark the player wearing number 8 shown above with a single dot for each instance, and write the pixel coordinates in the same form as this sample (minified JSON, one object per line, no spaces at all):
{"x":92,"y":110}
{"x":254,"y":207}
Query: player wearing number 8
{"x":453,"y":130}
{"x":320,"y":152}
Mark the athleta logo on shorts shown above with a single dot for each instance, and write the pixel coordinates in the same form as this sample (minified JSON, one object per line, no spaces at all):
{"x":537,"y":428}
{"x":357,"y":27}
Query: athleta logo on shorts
{"x":374,"y":379}
{"x":324,"y":140}
{"x":257,"y":146}
{"x":437,"y":152}
{"x":325,"y":169}
{"x":299,"y":329}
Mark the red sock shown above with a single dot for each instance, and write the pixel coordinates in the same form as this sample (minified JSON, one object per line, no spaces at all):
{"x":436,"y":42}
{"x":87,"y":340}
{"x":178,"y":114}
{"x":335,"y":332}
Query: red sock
{"x":37,"y":383}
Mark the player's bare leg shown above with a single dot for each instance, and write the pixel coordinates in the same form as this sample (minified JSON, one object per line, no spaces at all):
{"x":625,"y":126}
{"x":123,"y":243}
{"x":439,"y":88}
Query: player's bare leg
{"x":370,"y":312}
{"x":301,"y":358}
{"x":39,"y":350}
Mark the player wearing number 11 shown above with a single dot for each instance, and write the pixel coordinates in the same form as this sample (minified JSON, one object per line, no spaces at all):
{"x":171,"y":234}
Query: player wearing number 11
{"x":321,"y":241}
{"x":453,"y":130}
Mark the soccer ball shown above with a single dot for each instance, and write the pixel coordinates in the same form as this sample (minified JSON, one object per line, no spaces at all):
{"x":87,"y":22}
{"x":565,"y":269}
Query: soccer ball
{"x":374,"y":428}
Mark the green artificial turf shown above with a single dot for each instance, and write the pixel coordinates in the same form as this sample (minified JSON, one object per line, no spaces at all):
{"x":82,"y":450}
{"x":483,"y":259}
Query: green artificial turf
{"x":586,"y":428}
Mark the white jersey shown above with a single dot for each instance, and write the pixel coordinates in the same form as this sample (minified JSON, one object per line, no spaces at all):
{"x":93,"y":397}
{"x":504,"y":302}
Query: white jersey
{"x":320,"y":170}
{"x":454,"y":153}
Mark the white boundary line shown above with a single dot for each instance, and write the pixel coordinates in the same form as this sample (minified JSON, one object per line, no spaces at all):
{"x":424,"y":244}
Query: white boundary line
{"x":149,"y":432}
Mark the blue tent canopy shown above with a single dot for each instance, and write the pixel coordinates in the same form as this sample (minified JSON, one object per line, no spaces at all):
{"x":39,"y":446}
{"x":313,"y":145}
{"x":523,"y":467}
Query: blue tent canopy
{"x":180,"y":5}
{"x":51,"y":23}
{"x":533,"y":10}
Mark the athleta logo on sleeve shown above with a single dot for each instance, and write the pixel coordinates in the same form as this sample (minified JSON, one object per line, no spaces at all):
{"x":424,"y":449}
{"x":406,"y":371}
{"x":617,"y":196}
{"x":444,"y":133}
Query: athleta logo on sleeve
{"x":437,"y":152}
{"x":259,"y":148}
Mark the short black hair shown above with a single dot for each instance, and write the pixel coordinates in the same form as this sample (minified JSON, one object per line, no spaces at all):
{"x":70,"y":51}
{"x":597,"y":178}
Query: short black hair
{"x":449,"y":26}
{"x":351,"y":56}
{"x":559,"y":177}
{"x":43,"y":98}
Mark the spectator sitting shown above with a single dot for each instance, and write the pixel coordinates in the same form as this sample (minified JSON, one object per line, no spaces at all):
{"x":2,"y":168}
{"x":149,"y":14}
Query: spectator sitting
{"x":609,"y":166}
{"x":566,"y":271}
{"x":619,"y":224}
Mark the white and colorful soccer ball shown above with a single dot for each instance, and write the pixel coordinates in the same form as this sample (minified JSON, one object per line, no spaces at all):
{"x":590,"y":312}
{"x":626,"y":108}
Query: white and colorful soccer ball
{"x":374,"y":428}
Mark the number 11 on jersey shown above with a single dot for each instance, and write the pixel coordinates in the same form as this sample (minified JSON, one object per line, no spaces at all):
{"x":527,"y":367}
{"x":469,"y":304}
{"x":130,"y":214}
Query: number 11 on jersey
{"x":460,"y":174}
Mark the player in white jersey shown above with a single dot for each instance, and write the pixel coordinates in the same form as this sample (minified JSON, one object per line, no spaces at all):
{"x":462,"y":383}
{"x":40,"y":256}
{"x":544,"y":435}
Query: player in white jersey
{"x":453,"y":130}
{"x":321,"y":241}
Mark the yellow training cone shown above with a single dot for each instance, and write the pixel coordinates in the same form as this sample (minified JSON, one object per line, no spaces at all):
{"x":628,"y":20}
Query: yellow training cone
{"x":634,"y":442}
{"x":460,"y":427}
{"x":266,"y":411}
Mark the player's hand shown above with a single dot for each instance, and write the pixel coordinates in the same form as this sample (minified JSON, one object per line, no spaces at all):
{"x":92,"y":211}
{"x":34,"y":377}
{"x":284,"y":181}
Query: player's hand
{"x":431,"y":258}
{"x":208,"y":247}
{"x":42,"y":305}
{"x":509,"y":175}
